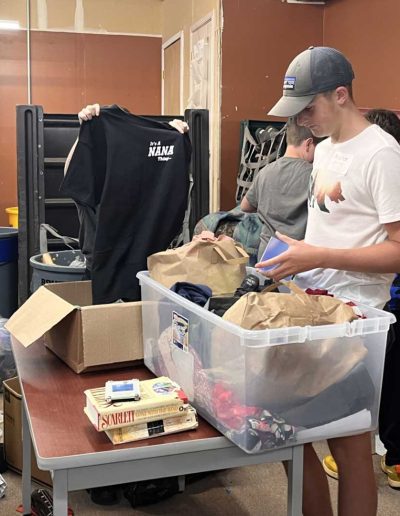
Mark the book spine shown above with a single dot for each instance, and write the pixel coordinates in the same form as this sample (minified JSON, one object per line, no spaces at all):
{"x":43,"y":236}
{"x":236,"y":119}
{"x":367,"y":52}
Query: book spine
{"x":155,"y":429}
{"x":131,"y":417}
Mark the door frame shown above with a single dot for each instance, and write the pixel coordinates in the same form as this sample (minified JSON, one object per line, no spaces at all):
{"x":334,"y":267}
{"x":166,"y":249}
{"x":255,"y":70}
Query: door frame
{"x":199,"y":23}
{"x":215,"y":103}
{"x":173,"y":39}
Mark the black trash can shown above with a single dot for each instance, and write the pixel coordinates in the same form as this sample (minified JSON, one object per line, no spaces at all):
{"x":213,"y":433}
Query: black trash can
{"x":8,"y":271}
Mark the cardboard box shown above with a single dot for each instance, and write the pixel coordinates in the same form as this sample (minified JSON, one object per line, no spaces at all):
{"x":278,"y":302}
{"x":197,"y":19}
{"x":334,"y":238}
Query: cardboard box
{"x":13,"y":432}
{"x":86,"y":337}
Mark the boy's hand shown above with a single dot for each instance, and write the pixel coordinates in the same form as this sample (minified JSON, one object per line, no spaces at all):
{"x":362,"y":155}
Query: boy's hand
{"x":179,"y":125}
{"x":88,"y":112}
{"x":300,"y":257}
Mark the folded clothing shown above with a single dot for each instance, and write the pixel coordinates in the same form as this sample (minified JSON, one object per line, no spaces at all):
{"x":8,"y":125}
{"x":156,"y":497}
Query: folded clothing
{"x":196,"y":293}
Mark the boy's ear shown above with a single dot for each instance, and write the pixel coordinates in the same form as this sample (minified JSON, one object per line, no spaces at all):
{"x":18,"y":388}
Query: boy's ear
{"x":309,"y":142}
{"x":342,"y":94}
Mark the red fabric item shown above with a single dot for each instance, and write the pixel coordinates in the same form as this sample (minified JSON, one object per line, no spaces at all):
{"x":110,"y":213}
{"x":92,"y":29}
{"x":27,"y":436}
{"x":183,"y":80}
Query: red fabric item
{"x":229,"y":411}
{"x":318,"y":292}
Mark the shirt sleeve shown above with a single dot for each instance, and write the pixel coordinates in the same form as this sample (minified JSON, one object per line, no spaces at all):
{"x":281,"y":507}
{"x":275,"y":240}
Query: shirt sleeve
{"x":383,"y":179}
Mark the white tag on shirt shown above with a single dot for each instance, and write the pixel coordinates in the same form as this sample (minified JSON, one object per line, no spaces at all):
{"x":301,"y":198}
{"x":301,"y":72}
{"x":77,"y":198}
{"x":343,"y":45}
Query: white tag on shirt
{"x":339,"y":163}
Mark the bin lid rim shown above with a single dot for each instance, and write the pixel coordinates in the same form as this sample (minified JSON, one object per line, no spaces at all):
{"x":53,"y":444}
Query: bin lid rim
{"x":7,"y":232}
{"x":36,"y":263}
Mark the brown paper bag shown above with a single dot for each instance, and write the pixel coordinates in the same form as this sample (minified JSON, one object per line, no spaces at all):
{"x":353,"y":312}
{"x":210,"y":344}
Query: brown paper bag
{"x":263,"y":310}
{"x":220,"y":264}
{"x":280,"y":376}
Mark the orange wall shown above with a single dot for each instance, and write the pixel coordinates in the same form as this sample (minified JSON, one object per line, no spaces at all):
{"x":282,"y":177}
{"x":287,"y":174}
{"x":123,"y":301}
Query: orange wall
{"x":12,"y":91}
{"x":367,"y":32}
{"x":261,"y":36}
{"x":259,"y":39}
{"x":70,"y":70}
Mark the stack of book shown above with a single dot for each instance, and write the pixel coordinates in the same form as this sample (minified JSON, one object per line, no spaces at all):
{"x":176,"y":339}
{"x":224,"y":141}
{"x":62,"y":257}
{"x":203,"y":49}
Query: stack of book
{"x":163,"y":409}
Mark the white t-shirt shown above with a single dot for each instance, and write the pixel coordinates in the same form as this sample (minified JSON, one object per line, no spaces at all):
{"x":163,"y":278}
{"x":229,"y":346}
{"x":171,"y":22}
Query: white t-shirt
{"x":354,"y":190}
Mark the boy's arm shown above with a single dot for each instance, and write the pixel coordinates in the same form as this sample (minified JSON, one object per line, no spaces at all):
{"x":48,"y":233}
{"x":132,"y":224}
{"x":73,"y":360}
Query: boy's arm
{"x":301,"y":257}
{"x":68,"y":160}
{"x":246,"y":206}
{"x":85,"y":114}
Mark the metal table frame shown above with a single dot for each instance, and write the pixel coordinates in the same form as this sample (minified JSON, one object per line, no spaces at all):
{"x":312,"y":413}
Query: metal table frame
{"x":76,"y":473}
{"x":173,"y":455}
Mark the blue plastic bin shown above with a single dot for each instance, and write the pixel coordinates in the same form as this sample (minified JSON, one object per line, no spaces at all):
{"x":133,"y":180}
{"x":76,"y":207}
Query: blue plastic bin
{"x":8,"y":271}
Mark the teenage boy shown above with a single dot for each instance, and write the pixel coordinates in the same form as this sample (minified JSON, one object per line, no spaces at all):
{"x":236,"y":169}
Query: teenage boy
{"x":279,"y":192}
{"x":352,"y":242}
{"x":389,"y":413}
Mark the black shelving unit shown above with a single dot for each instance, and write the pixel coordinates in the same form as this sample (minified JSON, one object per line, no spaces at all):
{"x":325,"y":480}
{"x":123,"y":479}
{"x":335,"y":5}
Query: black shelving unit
{"x":253,"y":148}
{"x":198,"y":121}
{"x":43,"y":143}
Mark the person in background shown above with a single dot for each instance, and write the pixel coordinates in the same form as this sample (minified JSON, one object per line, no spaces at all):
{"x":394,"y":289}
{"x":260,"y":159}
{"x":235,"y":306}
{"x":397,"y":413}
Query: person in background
{"x":86,"y":215}
{"x":389,"y":413}
{"x":106,"y":495}
{"x":352,"y":242}
{"x":279,"y":191}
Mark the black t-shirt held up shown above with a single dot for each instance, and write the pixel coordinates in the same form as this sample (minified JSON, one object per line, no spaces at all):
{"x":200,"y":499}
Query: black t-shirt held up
{"x":131,"y":175}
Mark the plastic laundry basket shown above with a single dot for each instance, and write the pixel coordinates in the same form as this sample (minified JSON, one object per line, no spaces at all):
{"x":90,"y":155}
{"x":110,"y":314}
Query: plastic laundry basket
{"x":56,"y":268}
{"x":8,"y":271}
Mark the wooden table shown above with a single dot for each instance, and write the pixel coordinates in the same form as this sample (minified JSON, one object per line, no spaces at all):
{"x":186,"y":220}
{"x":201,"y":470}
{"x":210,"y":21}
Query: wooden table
{"x":79,"y":457}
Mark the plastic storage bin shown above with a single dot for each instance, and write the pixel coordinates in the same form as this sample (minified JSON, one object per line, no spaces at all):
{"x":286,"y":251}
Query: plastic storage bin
{"x":272,"y":388}
{"x":7,"y":364}
{"x":8,"y":271}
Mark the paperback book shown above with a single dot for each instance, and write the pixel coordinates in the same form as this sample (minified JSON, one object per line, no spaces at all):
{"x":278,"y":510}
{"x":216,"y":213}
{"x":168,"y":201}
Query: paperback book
{"x":159,"y":398}
{"x":169,"y":425}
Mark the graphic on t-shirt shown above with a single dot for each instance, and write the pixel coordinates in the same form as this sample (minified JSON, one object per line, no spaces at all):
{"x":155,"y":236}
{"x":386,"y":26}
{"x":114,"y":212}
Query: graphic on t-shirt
{"x":162,"y":152}
{"x":323,"y":186}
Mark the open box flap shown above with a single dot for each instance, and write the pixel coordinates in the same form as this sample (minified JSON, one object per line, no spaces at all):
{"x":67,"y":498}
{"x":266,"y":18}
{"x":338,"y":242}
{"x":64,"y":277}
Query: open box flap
{"x":37,"y":315}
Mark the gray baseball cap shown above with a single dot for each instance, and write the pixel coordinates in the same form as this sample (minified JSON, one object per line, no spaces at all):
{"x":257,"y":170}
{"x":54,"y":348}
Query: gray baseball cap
{"x":314,"y":71}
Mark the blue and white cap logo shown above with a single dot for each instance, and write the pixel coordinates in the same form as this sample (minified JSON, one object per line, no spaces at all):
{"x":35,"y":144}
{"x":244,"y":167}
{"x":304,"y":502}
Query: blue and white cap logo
{"x":289,"y":83}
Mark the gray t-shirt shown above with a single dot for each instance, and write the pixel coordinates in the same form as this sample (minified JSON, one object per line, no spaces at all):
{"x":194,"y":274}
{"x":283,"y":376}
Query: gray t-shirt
{"x":279,"y":193}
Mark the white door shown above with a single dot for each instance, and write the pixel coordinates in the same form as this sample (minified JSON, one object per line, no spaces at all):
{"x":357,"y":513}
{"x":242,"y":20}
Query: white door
{"x":172,"y":76}
{"x":200,"y":65}
{"x":204,"y":91}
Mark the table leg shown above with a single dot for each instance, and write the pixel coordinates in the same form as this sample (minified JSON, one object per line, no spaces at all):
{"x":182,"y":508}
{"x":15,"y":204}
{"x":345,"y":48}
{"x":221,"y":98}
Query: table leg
{"x":26,"y":463}
{"x":181,"y":483}
{"x":60,"y":493}
{"x":295,"y":482}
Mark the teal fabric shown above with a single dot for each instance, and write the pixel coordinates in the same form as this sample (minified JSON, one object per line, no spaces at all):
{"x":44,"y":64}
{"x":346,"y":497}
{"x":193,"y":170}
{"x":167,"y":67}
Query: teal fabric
{"x":245,"y":228}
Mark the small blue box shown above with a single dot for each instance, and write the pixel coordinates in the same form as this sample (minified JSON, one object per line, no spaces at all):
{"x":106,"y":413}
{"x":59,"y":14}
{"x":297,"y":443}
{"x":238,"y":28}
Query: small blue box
{"x":275,"y":247}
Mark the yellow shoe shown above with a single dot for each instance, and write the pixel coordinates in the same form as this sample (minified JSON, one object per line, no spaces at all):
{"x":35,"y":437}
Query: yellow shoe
{"x":392,"y":472}
{"x":330,"y":467}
